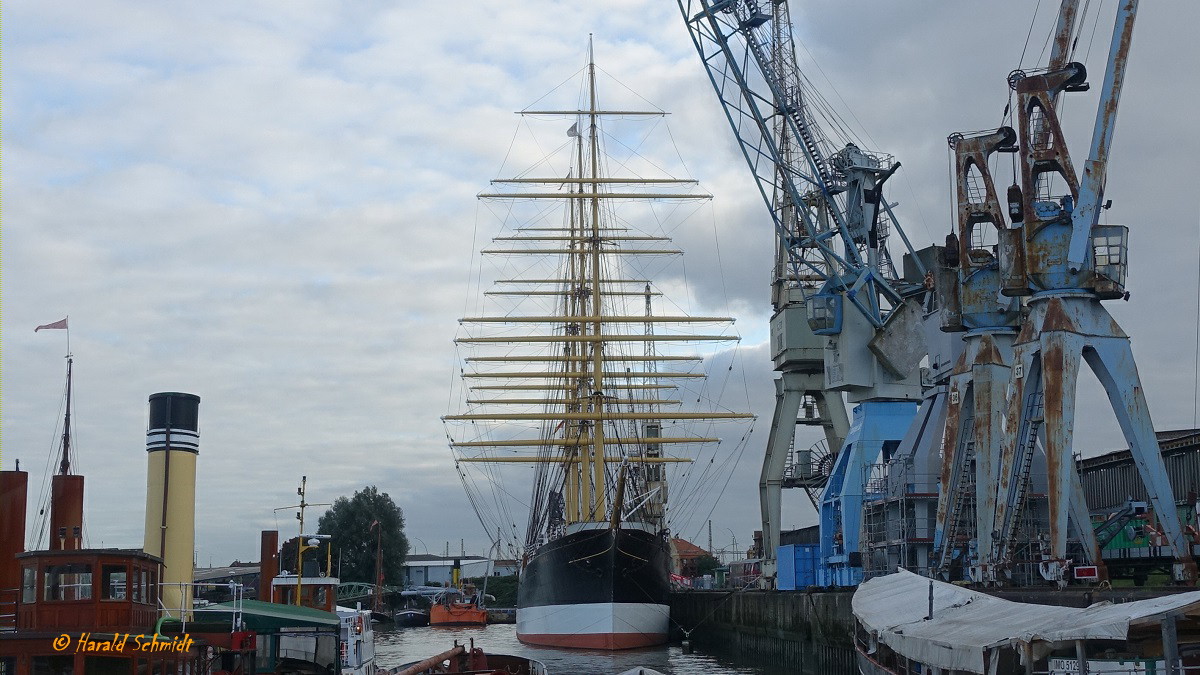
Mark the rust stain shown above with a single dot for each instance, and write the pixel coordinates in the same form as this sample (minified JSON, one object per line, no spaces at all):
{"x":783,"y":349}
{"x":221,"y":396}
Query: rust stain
{"x":989,"y":353}
{"x":1052,"y":379}
{"x":1006,"y":467}
{"x":1057,"y":318}
{"x":1114,"y":329}
{"x":1026,"y":334}
{"x":1062,"y":40}
{"x":962,"y":365}
{"x":950,"y":439}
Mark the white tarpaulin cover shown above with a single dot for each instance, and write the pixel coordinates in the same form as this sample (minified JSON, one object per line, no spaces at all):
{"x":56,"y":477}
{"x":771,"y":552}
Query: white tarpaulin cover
{"x":966,"y":623}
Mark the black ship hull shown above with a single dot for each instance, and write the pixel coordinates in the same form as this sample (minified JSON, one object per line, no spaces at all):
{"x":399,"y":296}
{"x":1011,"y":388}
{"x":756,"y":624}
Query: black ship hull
{"x":596,"y":589}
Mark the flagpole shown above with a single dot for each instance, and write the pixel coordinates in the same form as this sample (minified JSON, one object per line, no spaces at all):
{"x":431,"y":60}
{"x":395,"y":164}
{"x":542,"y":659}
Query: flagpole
{"x":64,"y":466}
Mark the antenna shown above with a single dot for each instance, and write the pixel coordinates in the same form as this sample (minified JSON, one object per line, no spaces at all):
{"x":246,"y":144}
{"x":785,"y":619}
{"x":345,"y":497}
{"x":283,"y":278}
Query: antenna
{"x":300,"y":545}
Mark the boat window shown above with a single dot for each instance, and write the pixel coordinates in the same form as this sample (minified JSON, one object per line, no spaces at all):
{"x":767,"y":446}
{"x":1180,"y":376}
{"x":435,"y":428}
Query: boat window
{"x":320,"y":596}
{"x":114,"y":582}
{"x":136,"y":586}
{"x":152,"y":591}
{"x":264,"y":653}
{"x":145,"y":589}
{"x":29,"y":584}
{"x":105,"y":665}
{"x":68,"y":582}
{"x":53,"y":664}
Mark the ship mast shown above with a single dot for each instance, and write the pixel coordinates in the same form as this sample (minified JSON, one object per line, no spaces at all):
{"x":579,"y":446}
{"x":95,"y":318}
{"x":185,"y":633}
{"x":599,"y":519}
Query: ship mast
{"x":64,"y":466}
{"x":574,"y":468}
{"x":585,"y":345}
{"x":597,"y":508}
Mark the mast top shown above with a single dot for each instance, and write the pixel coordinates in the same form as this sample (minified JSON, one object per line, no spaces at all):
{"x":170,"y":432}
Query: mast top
{"x":64,"y":465}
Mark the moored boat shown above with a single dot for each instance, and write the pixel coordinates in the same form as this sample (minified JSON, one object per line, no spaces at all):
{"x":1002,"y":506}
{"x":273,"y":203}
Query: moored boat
{"x":906,"y":623}
{"x":596,"y":588}
{"x":409,"y":617}
{"x":68,"y":608}
{"x":471,"y":659}
{"x":460,"y":604}
{"x":331,"y":636}
{"x":579,"y":353}
{"x":415,"y":608}
{"x":455,"y":607}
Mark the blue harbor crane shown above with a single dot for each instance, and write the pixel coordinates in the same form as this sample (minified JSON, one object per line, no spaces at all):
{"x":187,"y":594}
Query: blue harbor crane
{"x":1066,"y":264}
{"x":969,"y":288}
{"x":844,"y":322}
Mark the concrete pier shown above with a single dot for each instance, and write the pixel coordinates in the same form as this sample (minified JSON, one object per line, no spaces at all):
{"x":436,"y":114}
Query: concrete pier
{"x":812,"y":631}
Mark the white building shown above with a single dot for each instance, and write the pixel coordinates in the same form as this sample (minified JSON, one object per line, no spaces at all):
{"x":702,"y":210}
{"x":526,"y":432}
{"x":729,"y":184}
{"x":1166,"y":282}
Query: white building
{"x":423,"y":569}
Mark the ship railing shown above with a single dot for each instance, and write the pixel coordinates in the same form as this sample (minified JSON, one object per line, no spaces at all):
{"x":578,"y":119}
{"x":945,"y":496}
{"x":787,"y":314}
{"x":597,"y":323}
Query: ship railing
{"x":8,"y":607}
{"x":188,"y":592}
{"x":1129,"y":666}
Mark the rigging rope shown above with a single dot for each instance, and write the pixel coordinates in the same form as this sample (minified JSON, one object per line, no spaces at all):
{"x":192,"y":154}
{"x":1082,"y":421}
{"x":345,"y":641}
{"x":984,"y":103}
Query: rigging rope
{"x":1028,"y":34}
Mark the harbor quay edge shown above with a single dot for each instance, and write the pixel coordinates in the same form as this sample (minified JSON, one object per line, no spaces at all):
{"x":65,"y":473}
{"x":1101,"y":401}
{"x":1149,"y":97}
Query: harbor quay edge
{"x":813,"y":631}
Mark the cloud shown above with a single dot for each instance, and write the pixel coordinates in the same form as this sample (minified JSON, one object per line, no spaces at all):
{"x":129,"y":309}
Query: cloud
{"x":272,"y":206}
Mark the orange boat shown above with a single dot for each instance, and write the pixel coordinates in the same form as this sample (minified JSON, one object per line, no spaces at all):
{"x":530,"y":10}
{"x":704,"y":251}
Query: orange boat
{"x":457,"y":607}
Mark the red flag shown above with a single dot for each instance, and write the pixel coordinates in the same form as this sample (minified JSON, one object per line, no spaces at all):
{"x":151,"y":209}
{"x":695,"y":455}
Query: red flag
{"x":51,"y":326}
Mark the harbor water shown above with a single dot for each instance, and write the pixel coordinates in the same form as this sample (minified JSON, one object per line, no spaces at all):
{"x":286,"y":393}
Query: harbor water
{"x":395,"y":646}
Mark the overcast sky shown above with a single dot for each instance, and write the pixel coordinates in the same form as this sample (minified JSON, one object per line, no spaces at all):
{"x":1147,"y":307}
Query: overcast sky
{"x":271,"y":205}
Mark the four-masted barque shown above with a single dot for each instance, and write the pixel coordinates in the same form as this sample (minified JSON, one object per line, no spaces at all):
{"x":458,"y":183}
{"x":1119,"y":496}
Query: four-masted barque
{"x":585,"y":390}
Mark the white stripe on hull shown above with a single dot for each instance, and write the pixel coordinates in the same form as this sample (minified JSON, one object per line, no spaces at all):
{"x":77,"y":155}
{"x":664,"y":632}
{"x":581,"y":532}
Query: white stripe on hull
{"x":613,"y":625}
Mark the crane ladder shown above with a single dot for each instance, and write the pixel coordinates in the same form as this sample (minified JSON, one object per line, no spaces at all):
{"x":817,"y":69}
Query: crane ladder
{"x":1032,"y":419}
{"x":962,"y":490}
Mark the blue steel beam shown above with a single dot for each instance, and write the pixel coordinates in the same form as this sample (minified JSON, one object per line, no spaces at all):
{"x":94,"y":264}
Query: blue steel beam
{"x":1091,"y":188}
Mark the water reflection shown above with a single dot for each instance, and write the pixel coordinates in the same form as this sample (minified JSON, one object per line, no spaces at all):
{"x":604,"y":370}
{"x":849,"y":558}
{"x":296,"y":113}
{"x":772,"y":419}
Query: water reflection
{"x":395,"y":646}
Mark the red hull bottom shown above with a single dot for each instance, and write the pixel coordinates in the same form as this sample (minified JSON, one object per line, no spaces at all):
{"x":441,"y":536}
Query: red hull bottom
{"x":594,"y":640}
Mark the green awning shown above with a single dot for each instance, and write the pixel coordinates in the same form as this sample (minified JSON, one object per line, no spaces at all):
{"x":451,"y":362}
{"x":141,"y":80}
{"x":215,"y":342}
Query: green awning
{"x":267,"y":617}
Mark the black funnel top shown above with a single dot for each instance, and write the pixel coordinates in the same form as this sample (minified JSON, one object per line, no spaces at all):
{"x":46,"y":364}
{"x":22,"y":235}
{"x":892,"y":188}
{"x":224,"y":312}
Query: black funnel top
{"x":174,"y":410}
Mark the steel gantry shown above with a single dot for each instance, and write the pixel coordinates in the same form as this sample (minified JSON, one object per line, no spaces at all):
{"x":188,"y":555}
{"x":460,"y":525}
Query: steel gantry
{"x":844,"y":322}
{"x":969,"y":291}
{"x":1067,"y":264}
{"x":969,"y":288}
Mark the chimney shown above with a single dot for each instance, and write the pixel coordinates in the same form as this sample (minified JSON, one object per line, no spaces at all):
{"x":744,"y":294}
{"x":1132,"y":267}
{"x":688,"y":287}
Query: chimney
{"x":14,"y":487}
{"x":173,"y":443}
{"x":268,"y":566}
{"x":66,"y":512}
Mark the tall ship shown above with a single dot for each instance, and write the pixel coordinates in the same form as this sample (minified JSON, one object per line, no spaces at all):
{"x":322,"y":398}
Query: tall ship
{"x":582,"y":368}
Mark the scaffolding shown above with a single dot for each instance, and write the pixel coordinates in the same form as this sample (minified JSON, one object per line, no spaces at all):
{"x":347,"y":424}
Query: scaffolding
{"x":899,"y":522}
{"x":899,"y":516}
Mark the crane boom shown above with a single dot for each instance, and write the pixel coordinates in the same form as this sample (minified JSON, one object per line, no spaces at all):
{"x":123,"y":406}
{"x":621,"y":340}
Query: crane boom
{"x":832,"y":226}
{"x":834,"y":231}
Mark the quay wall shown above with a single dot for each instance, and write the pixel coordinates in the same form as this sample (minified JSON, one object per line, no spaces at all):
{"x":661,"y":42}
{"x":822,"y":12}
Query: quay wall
{"x":811,"y":631}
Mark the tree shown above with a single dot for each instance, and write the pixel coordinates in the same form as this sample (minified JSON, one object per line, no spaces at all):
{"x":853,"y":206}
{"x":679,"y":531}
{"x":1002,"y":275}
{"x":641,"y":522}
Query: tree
{"x":503,"y":589}
{"x":705,"y":564}
{"x":349,"y":523}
